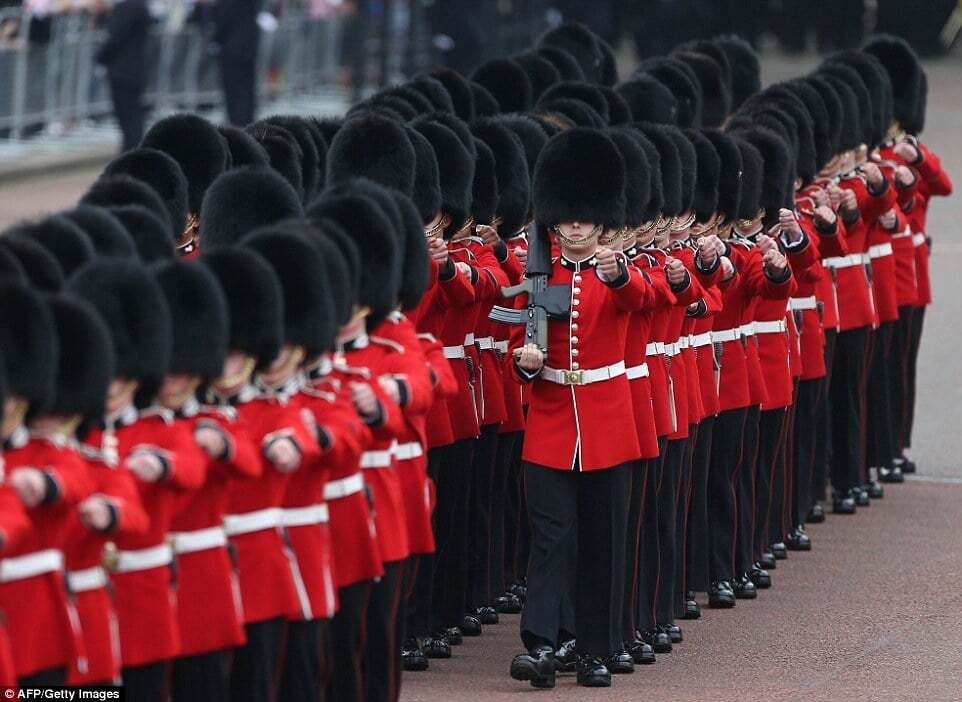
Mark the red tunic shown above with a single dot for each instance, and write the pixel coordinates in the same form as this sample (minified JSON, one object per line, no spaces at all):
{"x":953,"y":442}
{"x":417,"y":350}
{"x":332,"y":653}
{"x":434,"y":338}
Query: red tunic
{"x":514,"y":400}
{"x":14,"y":526}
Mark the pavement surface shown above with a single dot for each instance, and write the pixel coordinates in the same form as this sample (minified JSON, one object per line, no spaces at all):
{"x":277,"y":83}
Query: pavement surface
{"x":873,"y":613}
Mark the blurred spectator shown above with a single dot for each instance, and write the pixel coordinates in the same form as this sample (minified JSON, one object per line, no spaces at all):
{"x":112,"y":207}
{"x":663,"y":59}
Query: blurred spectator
{"x":238,"y":34}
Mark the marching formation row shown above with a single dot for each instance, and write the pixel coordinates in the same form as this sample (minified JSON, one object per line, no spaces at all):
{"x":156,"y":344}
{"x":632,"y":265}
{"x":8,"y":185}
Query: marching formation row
{"x":292,"y":407}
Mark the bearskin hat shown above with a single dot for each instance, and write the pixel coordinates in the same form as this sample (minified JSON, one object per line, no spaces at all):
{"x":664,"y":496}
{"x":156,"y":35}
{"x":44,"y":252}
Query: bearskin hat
{"x":151,"y":238}
{"x":284,"y":152}
{"x":649,"y":100}
{"x":66,"y":241}
{"x":10,"y":265}
{"x":513,"y":178}
{"x":242,"y":200}
{"x":707,"y":174}
{"x":456,"y":125}
{"x":579,"y":90}
{"x":426,"y":193}
{"x":85,"y":362}
{"x":689,"y":166}
{"x":350,"y":256}
{"x":716,"y":97}
{"x":484,"y":190}
{"x":541,"y":72}
{"x":746,"y":69}
{"x":243,"y":149}
{"x":865,"y":117}
{"x":618,"y":111}
{"x":682,"y":82}
{"x":778,"y":172}
{"x":28,"y":343}
{"x":729,"y":172}
{"x":373,"y":147}
{"x":906,"y":75}
{"x":567,"y":66}
{"x":532,"y":135}
{"x":337,"y":266}
{"x":709,"y":48}
{"x":327,"y":126}
{"x":456,"y":170}
{"x":750,"y":193}
{"x":876,"y":79}
{"x":551,"y":122}
{"x":255,"y":306}
{"x":591,"y":52}
{"x":670,"y":167}
{"x":415,"y":271}
{"x":637,"y":176}
{"x":507,"y":82}
{"x":656,"y":196}
{"x":197,"y":146}
{"x":390,"y":106}
{"x":580,"y":113}
{"x":799,"y":125}
{"x":580,"y":177}
{"x":120,"y":190}
{"x":833,"y":107}
{"x":850,"y":135}
{"x":108,"y":235}
{"x":160,"y":172}
{"x":26,"y":261}
{"x":434,"y":91}
{"x":818,"y":111}
{"x":131,"y":303}
{"x":459,"y":90}
{"x":769,"y":117}
{"x":485,"y":104}
{"x":312,"y":161}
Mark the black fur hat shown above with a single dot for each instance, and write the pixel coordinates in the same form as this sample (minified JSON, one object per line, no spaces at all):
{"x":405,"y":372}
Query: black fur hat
{"x":131,"y":303}
{"x":66,"y":241}
{"x":850,"y":135}
{"x":707,"y":174}
{"x":716,"y":96}
{"x":244,"y":150}
{"x":85,"y":362}
{"x":456,"y":170}
{"x":818,"y":111}
{"x":551,"y":123}
{"x":532,"y":135}
{"x":833,"y":108}
{"x":435,"y":91}
{"x":753,"y":172}
{"x":313,"y":151}
{"x":649,"y":100}
{"x":462,"y":98}
{"x":485,"y":104}
{"x":484,"y":190}
{"x":309,"y":315}
{"x":580,"y":177}
{"x":541,"y":72}
{"x":746,"y":69}
{"x":580,"y":113}
{"x":876,"y":79}
{"x":337,"y":265}
{"x":907,"y":77}
{"x":152,"y":240}
{"x":455,"y":124}
{"x":26,"y":261}
{"x":714,"y":51}
{"x":656,"y":196}
{"x":197,"y":146}
{"x":108,"y":235}
{"x":426,"y":194}
{"x":670,"y":167}
{"x":284,"y":152}
{"x":588,"y":49}
{"x":393,"y":107}
{"x":120,"y":190}
{"x":373,"y":147}
{"x":242,"y":200}
{"x":677,"y":77}
{"x":28,"y":343}
{"x":729,"y":172}
{"x":689,"y":166}
{"x":618,"y":111}
{"x":778,"y":170}
{"x":782,"y":102}
{"x":255,"y":306}
{"x":567,"y":65}
{"x":637,"y":175}
{"x":513,"y":178}
{"x":579,"y":90}
{"x":372,"y":232}
{"x":507,"y":82}
{"x":160,"y":172}
{"x":415,"y":99}
{"x":851,"y":77}
{"x":198,"y":314}
{"x":415,"y":271}
{"x":327,"y":126}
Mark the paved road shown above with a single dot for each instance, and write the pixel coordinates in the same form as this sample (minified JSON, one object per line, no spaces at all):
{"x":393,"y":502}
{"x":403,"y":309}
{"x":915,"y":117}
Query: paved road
{"x":874,"y":612}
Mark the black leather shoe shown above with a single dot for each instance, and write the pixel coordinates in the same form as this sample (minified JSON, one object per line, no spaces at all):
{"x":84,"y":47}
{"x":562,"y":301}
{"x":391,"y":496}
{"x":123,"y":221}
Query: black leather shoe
{"x":471,"y":625}
{"x":536,"y":666}
{"x":692,"y":608}
{"x":760,"y":577}
{"x":721,"y":595}
{"x":451,"y":636}
{"x":566,"y":656}
{"x":434,"y":647}
{"x":508,"y":603}
{"x":767,"y":561}
{"x":518,"y":590}
{"x":843,"y":505}
{"x":874,"y":490}
{"x":659,"y":641}
{"x":861,"y":497}
{"x":891,"y":475}
{"x":906,"y":464}
{"x":593,"y":673}
{"x":816,"y":515}
{"x":412,"y":657}
{"x":641,"y":652}
{"x":488,"y":615}
{"x":798,"y":540}
{"x":674,"y":633}
{"x":744,"y":588}
{"x":779,"y":550}
{"x":620,"y":663}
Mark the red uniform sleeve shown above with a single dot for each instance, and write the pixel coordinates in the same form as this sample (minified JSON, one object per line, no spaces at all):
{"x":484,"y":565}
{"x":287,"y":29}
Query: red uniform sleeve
{"x":14,"y":522}
{"x":73,"y":479}
{"x":445,"y":384}
{"x":120,"y":489}
{"x":245,"y":458}
{"x":634,"y":295}
{"x":491,"y":277}
{"x":455,"y":293}
{"x":937,"y":181}
{"x":348,"y":435}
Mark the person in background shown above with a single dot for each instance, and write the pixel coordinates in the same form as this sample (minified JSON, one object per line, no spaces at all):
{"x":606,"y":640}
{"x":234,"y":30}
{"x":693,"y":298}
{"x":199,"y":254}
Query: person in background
{"x":238,"y":34}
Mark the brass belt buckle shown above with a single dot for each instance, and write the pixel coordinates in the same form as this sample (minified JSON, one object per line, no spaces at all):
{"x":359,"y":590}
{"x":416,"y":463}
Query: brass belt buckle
{"x":574,"y":377}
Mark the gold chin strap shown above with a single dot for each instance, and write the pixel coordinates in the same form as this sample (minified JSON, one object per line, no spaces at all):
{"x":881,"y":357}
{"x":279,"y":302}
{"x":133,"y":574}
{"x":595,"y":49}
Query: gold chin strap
{"x":680,"y":225}
{"x":188,"y":239}
{"x":239,"y":377}
{"x":433,"y":231}
{"x":569,"y":242}
{"x":360,"y":313}
{"x":725,"y":229}
{"x":615,"y":235}
{"x":467,"y":227}
{"x":293,"y":360}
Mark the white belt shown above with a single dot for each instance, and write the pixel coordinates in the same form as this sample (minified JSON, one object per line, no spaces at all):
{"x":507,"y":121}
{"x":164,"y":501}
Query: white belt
{"x":803,"y":303}
{"x":378,"y":459}
{"x":249,"y":522}
{"x":469,"y":339}
{"x":336,"y":489}
{"x":655,"y":348}
{"x":748,"y":329}
{"x":635,"y":372}
{"x":672,"y":349}
{"x":143,"y":559}
{"x":778,"y":327}
{"x":723,"y":335}
{"x":683,"y":343}
{"x":699,"y":340}
{"x":87,"y":579}
{"x":198,"y":540}
{"x":485,"y":343}
{"x":405,"y":452}
{"x":880,"y":250}
{"x":583,"y":377}
{"x":30,"y":565}
{"x":454,"y":352}
{"x":903,"y":235}
{"x":501,"y":346}
{"x":918,"y":239}
{"x":849,"y":261}
{"x":304,"y":516}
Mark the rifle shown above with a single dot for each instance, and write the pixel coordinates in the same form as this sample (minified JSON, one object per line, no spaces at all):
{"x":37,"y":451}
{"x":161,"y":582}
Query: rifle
{"x":544,"y":301}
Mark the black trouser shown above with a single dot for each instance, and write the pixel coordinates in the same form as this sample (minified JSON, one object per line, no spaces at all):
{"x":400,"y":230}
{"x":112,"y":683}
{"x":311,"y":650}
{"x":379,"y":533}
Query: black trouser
{"x":127,"y":98}
{"x":301,"y":678}
{"x":592,"y":505}
{"x":451,"y":561}
{"x":149,"y":682}
{"x":201,"y":678}
{"x":697,"y":547}
{"x":745,"y":494}
{"x":803,"y":447}
{"x":901,"y":346}
{"x":769,"y":479}
{"x":499,"y":509}
{"x":418,"y":615}
{"x":669,"y":497}
{"x":847,"y":409}
{"x":409,"y":575}
{"x":480,"y":518}
{"x":381,"y":656}
{"x":908,"y":417}
{"x":51,"y":677}
{"x":724,"y":481}
{"x":239,"y":80}
{"x":823,"y":423}
{"x":255,"y":666}
{"x":880,"y":429}
{"x":681,"y":522}
{"x":517,"y":532}
{"x":636,"y":511}
{"x":347,"y":643}
{"x":648,"y":551}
